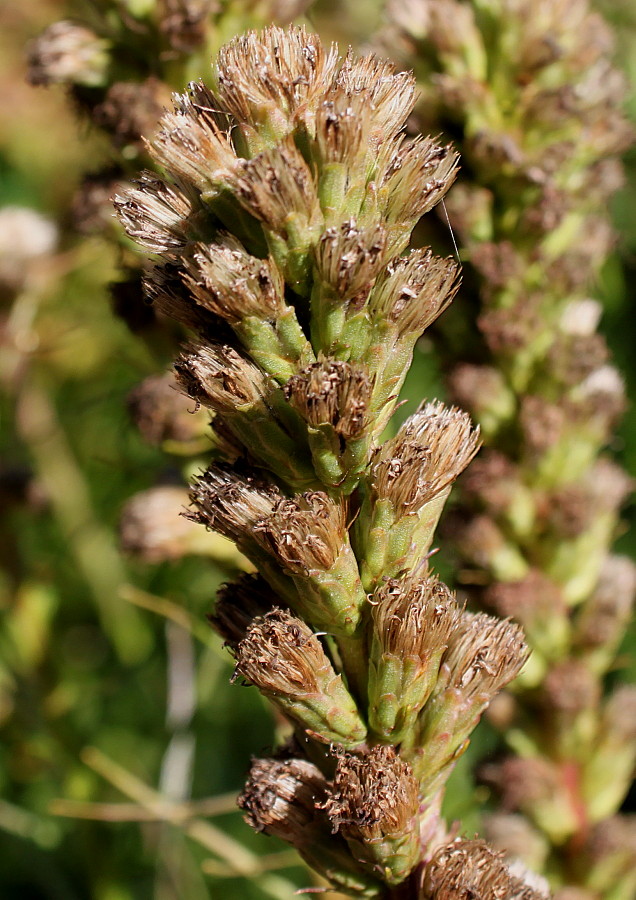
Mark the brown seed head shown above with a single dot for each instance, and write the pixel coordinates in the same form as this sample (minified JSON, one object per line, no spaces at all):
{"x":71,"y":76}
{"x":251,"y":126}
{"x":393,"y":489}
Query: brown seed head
{"x":373,"y":796}
{"x":275,"y":184}
{"x":614,"y":837}
{"x":165,"y":289}
{"x":415,"y":289}
{"x":230,"y":503}
{"x":428,"y":453}
{"x":274,"y":68}
{"x":484,"y":654}
{"x":281,"y":655}
{"x":465,"y":870}
{"x":349,"y":258}
{"x":532,"y":601}
{"x":332,"y":393}
{"x":413,"y":616}
{"x":619,"y":715}
{"x":219,"y":377}
{"x":155,"y":214}
{"x":570,"y":688}
{"x":523,"y":782}
{"x":131,"y":109}
{"x":281,"y":797}
{"x":341,"y":123}
{"x":184,"y":22}
{"x":603,"y":617}
{"x":305,"y":533}
{"x":193,"y":143}
{"x":416,"y":176}
{"x":225,"y":279}
{"x":389,"y":95}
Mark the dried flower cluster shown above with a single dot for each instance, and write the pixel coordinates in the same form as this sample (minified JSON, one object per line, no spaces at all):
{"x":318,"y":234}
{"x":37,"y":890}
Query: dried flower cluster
{"x":531,"y":90}
{"x":280,"y":235}
{"x":120,"y":66}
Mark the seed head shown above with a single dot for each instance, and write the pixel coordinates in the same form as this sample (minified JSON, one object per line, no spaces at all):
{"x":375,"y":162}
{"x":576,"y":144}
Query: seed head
{"x":349,"y":258}
{"x":332,"y":393}
{"x":219,"y":377}
{"x":275,"y":184}
{"x":305,"y":533}
{"x":230,"y":503}
{"x":155,"y":214}
{"x":484,"y":654}
{"x":415,"y":289}
{"x":389,"y":95}
{"x":161,"y":413}
{"x":233,"y":285}
{"x":428,"y":453}
{"x":466,"y":869}
{"x":193,"y":142}
{"x":414,"y":617}
{"x":280,"y":654}
{"x":416,"y":176}
{"x":373,"y":804}
{"x":67,"y":53}
{"x":273,"y":70}
{"x":281,"y":797}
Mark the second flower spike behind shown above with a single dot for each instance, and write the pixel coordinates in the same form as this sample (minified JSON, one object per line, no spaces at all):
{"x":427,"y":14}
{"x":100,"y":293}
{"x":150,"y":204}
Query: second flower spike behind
{"x":282,"y":228}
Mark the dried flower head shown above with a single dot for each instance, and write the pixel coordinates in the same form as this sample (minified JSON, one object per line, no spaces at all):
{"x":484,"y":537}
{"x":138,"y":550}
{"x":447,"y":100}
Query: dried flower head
{"x":282,"y":656}
{"x":305,"y":533}
{"x":415,"y":289}
{"x":238,"y":603}
{"x":412,"y":622}
{"x":467,"y":869}
{"x":429,"y":452}
{"x":484,"y":654}
{"x":155,"y":214}
{"x":285,"y":798}
{"x":373,"y":804}
{"x":231,"y":503}
{"x":332,"y":393}
{"x":231,"y":283}
{"x":349,"y":258}
{"x":193,"y":142}
{"x":220,"y":378}
{"x":67,"y":53}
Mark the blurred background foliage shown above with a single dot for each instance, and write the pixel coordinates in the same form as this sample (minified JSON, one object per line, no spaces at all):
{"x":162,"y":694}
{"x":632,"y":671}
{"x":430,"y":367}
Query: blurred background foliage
{"x":123,"y":742}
